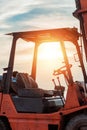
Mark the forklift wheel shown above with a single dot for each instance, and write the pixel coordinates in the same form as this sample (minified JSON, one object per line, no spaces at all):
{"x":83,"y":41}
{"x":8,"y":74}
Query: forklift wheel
{"x":2,"y":125}
{"x":77,"y":123}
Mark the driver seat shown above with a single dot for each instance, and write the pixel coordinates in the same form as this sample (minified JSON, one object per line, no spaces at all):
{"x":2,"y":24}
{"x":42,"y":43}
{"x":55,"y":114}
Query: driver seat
{"x":26,"y":86}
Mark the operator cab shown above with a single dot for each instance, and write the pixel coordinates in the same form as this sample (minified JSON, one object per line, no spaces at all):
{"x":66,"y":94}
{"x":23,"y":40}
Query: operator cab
{"x":26,"y":90}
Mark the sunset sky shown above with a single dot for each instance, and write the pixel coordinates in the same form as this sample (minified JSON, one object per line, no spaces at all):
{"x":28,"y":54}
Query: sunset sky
{"x":26,"y":15}
{"x":19,"y":15}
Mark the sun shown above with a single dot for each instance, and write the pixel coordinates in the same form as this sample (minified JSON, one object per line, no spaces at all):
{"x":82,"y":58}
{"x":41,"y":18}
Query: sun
{"x":49,"y":50}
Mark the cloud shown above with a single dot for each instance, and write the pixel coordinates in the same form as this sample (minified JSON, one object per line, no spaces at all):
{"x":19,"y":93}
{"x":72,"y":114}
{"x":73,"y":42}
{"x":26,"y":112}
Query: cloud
{"x":16,"y":14}
{"x":9,"y":9}
{"x":14,"y":7}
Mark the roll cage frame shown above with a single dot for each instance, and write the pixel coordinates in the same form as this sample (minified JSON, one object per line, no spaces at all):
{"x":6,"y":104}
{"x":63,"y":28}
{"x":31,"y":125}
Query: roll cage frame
{"x":39,"y":36}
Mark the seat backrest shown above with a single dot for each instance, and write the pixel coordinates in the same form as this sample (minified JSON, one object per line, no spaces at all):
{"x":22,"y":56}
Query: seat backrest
{"x":25,"y":81}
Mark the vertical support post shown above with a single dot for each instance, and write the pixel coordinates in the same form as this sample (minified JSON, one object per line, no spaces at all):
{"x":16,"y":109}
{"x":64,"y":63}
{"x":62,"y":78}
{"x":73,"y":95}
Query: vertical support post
{"x":34,"y":65}
{"x":7,"y":81}
{"x":66,"y":62}
{"x":81,"y":63}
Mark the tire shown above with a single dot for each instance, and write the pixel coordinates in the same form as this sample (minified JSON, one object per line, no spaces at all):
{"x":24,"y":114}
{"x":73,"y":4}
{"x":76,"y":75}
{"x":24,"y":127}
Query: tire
{"x":2,"y":126}
{"x":77,"y":123}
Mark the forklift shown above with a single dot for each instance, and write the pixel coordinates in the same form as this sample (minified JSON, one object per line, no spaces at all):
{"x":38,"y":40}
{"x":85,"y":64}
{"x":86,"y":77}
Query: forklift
{"x":26,"y":106}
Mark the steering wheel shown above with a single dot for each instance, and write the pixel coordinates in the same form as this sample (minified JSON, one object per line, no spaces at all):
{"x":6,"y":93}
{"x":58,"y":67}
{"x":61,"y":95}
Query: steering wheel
{"x":61,"y":70}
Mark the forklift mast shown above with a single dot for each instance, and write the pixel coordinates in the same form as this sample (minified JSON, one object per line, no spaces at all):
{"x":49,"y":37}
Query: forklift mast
{"x":81,"y":14}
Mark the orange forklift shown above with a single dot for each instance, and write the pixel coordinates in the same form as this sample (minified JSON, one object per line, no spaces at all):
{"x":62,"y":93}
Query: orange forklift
{"x":26,"y":106}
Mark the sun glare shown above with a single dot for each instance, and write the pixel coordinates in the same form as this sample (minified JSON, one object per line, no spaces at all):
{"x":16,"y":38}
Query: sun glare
{"x":50,"y":50}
